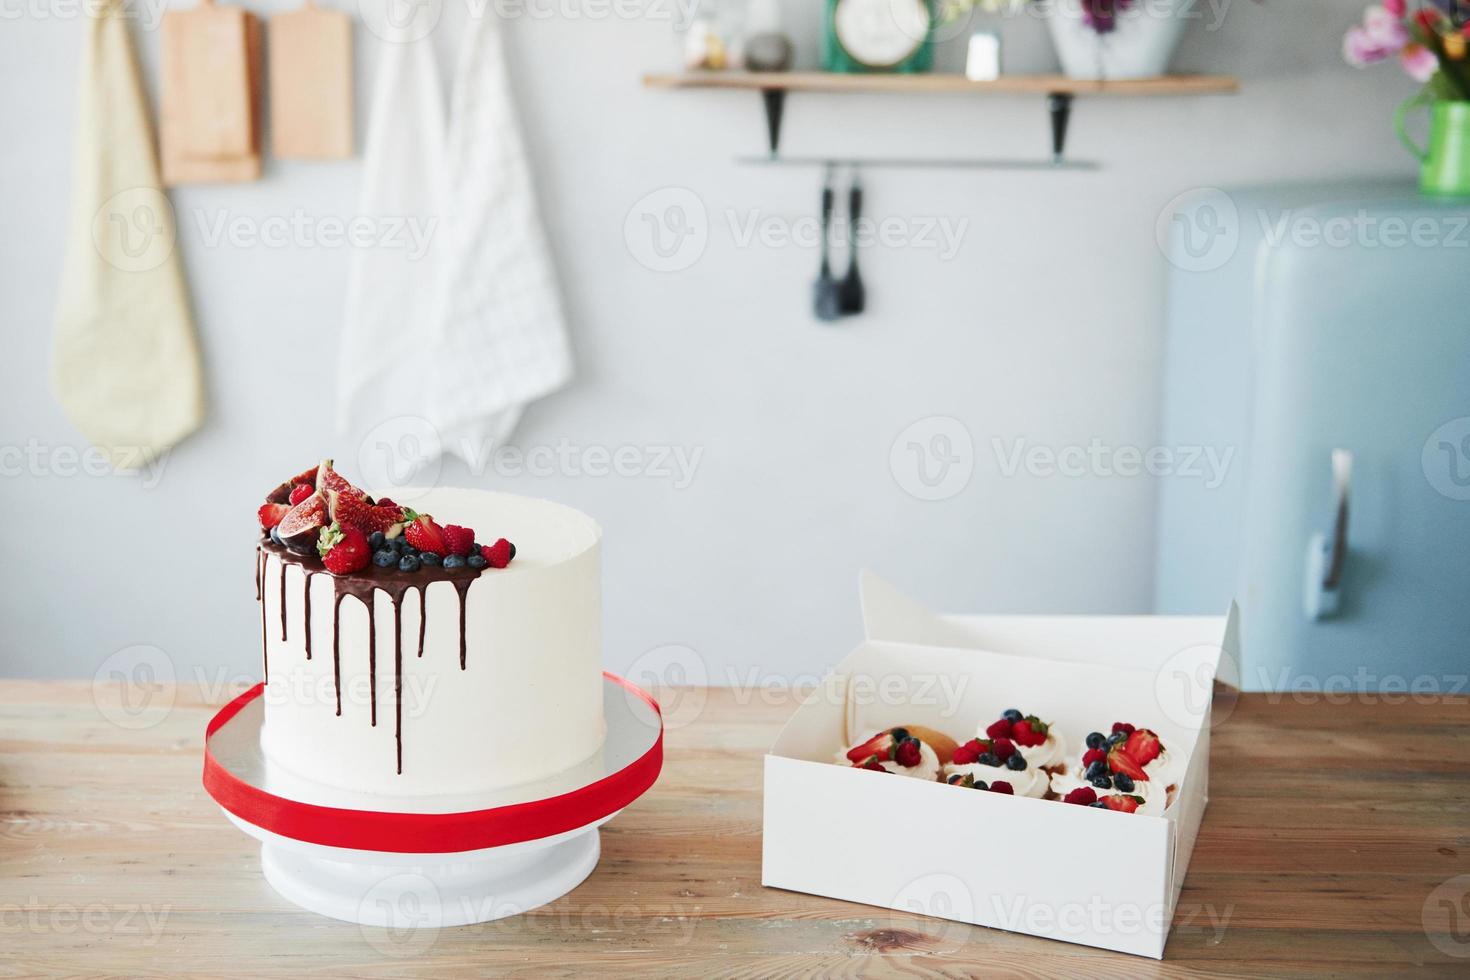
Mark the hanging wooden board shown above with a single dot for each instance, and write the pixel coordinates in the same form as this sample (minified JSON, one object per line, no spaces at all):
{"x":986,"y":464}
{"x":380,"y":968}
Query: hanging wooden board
{"x":210,"y":116}
{"x":311,"y":83}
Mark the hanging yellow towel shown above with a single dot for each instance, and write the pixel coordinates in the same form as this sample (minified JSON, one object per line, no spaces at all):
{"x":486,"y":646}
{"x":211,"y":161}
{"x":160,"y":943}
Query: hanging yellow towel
{"x":126,"y":364}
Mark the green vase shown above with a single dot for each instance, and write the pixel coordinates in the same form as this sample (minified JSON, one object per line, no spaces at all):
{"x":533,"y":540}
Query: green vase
{"x":1444,"y":166}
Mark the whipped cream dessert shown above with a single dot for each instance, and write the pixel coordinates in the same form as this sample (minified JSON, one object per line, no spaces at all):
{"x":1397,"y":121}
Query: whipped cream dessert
{"x":907,"y":751}
{"x":403,"y":657}
{"x":998,"y":759}
{"x":1131,"y":763}
{"x":1039,"y":742}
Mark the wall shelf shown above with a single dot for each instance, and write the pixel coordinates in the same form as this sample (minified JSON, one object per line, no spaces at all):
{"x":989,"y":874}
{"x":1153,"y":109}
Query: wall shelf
{"x":1058,"y":90}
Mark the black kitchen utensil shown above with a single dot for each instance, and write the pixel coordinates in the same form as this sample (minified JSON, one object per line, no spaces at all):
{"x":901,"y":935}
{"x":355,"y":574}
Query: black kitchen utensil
{"x":851,"y":295}
{"x":827,"y":292}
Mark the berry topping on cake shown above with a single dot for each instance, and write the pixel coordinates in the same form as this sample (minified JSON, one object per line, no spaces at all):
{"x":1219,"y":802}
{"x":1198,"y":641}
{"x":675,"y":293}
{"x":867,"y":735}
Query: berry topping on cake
{"x":272,"y":514}
{"x":425,"y":535}
{"x":880,"y":746}
{"x":343,"y":550}
{"x":1123,"y":782}
{"x":298,"y":530}
{"x":968,"y":781}
{"x":907,"y":753}
{"x":1003,"y":748}
{"x":1122,"y":726}
{"x":1012,"y":715}
{"x":999,"y":729}
{"x":1122,"y":803}
{"x":970,"y":752}
{"x":1093,"y":755}
{"x":1120,"y":761}
{"x":1096,"y":740}
{"x":458,"y":540}
{"x":871,"y":762}
{"x":350,"y":511}
{"x":1082,"y":795}
{"x":499,"y":554}
{"x":1029,"y":731}
{"x":282,"y":493}
{"x":1016,"y":763}
{"x":1142,"y":746}
{"x":313,"y":513}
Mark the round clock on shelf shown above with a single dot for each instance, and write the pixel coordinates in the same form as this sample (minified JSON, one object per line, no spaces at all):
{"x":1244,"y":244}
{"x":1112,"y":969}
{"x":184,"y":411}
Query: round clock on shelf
{"x":878,"y":35}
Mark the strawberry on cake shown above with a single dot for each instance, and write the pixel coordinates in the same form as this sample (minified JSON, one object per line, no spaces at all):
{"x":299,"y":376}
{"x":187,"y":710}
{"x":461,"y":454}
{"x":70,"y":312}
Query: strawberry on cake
{"x":984,"y":761}
{"x":405,"y":654}
{"x":910,"y":750}
{"x":1130,"y":762}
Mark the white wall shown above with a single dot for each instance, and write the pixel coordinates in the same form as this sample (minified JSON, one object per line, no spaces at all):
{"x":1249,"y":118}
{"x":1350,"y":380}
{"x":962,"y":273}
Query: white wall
{"x":1044,"y":326}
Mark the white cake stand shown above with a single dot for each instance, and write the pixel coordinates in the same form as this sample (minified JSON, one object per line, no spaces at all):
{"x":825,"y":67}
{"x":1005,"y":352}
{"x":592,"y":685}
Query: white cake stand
{"x":473,"y":859}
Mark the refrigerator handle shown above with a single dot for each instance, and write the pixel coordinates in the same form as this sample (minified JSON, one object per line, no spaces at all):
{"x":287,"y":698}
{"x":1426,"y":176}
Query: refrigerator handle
{"x":1327,"y":552}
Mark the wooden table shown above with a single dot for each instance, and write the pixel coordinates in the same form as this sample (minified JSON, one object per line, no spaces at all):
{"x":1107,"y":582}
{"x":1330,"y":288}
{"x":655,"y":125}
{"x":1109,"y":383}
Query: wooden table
{"x":1329,"y":826}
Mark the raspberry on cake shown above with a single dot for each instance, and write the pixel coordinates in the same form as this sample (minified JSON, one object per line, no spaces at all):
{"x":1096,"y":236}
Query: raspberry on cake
{"x":1039,"y":742}
{"x":1129,"y":762}
{"x":988,"y":760}
{"x":397,"y":670}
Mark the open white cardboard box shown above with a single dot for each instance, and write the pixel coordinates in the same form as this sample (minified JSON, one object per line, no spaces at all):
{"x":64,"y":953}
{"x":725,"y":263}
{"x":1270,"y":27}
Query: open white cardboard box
{"x":1043,"y":867}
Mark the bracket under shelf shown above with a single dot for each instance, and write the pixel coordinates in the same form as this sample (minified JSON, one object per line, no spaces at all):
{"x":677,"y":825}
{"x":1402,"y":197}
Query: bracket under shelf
{"x":1058,"y":90}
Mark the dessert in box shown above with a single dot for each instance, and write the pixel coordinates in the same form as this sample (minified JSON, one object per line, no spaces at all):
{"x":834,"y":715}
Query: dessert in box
{"x":444,"y":649}
{"x":902,"y":699}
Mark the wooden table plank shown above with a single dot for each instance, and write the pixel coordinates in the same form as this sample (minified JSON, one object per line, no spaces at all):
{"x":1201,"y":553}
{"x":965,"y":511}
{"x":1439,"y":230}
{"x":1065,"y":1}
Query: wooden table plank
{"x":1329,"y":826}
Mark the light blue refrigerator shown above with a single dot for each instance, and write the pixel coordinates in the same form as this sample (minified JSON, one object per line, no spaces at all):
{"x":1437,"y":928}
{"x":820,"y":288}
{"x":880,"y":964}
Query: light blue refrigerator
{"x":1338,"y":319}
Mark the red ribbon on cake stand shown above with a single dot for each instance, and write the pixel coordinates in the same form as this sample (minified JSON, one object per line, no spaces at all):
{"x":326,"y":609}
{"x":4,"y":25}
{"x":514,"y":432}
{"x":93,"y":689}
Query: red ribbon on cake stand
{"x":397,"y":868}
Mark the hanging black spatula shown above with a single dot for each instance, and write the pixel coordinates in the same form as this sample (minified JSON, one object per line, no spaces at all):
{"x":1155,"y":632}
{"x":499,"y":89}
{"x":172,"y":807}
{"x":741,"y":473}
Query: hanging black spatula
{"x":851,"y":295}
{"x":827,"y":292}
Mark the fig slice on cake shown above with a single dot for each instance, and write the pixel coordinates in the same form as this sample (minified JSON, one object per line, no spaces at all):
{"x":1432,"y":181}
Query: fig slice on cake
{"x":300,"y":528}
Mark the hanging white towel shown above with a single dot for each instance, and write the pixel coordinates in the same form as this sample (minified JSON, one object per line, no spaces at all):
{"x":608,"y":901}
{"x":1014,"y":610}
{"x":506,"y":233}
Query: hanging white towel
{"x":392,"y":292}
{"x":125,"y":360}
{"x":503,"y":329}
{"x":492,"y":337}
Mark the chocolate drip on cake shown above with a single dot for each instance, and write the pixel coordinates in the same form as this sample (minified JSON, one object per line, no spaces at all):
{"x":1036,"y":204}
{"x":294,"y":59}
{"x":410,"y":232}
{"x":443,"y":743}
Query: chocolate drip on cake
{"x":283,"y":603}
{"x":462,"y":587}
{"x":398,"y":677}
{"x":337,"y":648}
{"x":362,"y":586}
{"x":306,"y":620}
{"x":260,"y":560}
{"x":423,"y":618}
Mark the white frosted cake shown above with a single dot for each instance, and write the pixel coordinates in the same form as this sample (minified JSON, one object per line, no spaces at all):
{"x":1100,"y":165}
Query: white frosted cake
{"x":396,"y":669}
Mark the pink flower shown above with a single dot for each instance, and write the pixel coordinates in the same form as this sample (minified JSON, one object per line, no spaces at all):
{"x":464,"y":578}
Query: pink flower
{"x":1419,"y":62}
{"x":1396,"y":7}
{"x":1385,"y":28}
{"x":1359,"y":49}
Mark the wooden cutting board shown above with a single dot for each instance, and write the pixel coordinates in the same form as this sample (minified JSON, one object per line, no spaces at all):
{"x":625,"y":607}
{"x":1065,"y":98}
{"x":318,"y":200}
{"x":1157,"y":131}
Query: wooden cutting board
{"x":210,"y":115}
{"x":311,"y":83}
